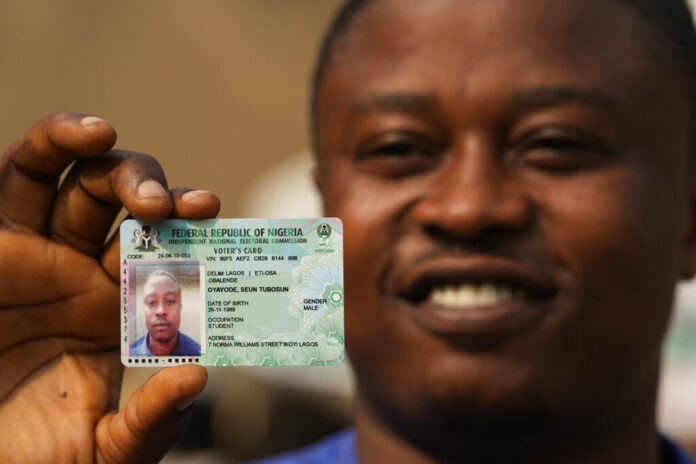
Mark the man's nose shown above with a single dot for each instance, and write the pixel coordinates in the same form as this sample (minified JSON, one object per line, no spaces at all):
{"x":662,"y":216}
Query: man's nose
{"x":161,"y":310}
{"x":475,"y":194}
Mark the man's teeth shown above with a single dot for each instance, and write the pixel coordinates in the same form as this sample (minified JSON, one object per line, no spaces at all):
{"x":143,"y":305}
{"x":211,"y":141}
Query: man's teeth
{"x":474,"y":295}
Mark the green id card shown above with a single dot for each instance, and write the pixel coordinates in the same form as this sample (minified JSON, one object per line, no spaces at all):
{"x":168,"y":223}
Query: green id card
{"x":232,"y":292}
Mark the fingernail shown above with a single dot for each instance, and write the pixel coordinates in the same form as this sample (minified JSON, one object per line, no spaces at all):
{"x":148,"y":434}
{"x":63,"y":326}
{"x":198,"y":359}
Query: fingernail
{"x":151,"y":188}
{"x":193,"y":194}
{"x":90,"y":121}
{"x":186,"y":403}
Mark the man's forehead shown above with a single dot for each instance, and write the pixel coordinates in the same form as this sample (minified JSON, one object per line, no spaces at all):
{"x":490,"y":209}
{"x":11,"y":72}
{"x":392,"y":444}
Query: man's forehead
{"x":399,"y":28}
{"x":160,"y":281}
{"x":526,"y":99}
{"x":507,"y":52}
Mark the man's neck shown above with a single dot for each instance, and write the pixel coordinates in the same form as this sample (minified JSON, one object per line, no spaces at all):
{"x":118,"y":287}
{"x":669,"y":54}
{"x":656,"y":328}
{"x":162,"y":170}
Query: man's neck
{"x":166,"y":348}
{"x":636,"y":443}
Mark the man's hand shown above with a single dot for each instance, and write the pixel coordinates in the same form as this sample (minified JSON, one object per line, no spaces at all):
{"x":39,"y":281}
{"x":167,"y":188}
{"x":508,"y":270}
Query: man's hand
{"x":60,"y":371}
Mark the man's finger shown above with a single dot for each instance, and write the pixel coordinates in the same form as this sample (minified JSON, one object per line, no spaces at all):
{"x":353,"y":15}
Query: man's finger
{"x":94,"y":190}
{"x":31,"y":167}
{"x":153,"y":419}
{"x":194,"y":204}
{"x":187,"y":204}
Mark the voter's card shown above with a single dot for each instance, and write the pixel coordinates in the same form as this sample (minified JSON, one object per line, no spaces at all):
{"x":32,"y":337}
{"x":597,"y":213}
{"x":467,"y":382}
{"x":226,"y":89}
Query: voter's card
{"x":232,"y":292}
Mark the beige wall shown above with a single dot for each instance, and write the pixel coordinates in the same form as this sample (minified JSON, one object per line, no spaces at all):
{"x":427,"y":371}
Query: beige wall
{"x":221,"y":85}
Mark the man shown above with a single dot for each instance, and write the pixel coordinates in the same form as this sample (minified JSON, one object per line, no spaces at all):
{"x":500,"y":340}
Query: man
{"x":516,"y":182}
{"x":162,"y":301}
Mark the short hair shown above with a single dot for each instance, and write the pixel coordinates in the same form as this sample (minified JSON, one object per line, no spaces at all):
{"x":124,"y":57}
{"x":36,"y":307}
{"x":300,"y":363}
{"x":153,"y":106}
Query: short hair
{"x":671,"y":19}
{"x":162,"y":273}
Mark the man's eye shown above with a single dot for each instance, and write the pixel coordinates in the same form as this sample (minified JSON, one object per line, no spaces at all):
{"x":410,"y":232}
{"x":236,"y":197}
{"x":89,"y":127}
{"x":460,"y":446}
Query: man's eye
{"x":398,"y":158}
{"x":171,"y":301}
{"x":561,"y":153}
{"x":397,"y":150}
{"x":558,"y":144}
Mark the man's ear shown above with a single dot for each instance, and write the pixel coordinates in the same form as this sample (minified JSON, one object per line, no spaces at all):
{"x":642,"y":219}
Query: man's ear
{"x":688,"y":268}
{"x":317,"y":179}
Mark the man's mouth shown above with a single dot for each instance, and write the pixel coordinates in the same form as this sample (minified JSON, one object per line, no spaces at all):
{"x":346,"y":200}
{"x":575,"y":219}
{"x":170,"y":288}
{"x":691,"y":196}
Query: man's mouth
{"x":462,"y":295}
{"x":475,"y":294}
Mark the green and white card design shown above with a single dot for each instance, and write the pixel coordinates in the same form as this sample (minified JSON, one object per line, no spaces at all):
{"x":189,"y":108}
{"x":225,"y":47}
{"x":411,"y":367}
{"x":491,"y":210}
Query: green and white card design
{"x":232,"y":292}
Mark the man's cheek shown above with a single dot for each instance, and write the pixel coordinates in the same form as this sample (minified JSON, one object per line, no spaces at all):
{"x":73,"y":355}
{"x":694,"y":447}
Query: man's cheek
{"x":604,"y":241}
{"x":365,"y":245}
{"x":374,"y":213}
{"x":369,"y":216}
{"x":363,"y":214}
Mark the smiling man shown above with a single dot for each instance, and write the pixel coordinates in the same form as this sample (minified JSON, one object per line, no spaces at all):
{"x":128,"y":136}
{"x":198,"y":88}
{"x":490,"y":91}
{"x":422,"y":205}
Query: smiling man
{"x":162,"y":302}
{"x":529,"y":171}
{"x":517,"y":185}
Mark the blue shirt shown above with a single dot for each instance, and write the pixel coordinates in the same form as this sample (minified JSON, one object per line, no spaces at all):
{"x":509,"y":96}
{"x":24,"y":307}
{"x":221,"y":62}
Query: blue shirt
{"x":184,"y":347}
{"x":340,"y":449}
{"x":336,"y":449}
{"x":670,"y":450}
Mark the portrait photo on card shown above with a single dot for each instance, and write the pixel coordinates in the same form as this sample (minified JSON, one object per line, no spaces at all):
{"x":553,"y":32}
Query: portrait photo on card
{"x":169,"y":309}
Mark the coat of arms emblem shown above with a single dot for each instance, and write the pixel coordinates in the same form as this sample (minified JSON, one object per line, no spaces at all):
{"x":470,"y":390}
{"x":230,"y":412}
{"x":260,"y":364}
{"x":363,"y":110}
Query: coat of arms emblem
{"x":146,"y":239}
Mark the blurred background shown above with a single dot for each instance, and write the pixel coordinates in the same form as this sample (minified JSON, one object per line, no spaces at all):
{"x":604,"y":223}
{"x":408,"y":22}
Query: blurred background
{"x":218,"y":91}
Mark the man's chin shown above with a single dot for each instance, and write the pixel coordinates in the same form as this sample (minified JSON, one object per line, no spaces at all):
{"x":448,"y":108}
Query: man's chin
{"x":477,"y":420}
{"x":161,"y":338}
{"x":459,"y":391}
{"x":514,"y":413}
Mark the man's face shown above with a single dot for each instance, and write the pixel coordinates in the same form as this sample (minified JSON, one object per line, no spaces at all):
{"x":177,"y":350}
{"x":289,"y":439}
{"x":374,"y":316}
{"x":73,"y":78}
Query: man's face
{"x":514,"y":181}
{"x":162,"y":298}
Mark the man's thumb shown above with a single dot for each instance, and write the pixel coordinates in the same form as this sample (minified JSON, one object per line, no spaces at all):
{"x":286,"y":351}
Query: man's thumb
{"x":153,"y":419}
